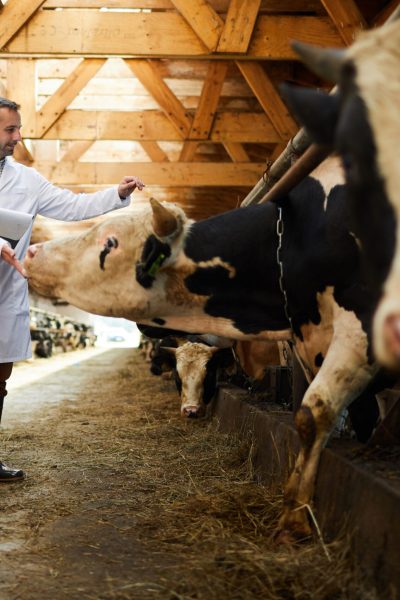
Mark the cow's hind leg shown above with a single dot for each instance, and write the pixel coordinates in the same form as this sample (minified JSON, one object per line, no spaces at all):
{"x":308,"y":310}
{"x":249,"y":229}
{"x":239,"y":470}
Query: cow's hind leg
{"x":344,"y":374}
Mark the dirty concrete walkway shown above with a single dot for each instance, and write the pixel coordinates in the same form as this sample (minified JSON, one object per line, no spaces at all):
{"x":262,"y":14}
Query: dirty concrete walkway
{"x":125,"y":500}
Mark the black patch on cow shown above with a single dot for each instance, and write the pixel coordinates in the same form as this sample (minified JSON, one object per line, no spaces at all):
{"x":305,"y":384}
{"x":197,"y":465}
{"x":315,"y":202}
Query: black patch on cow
{"x":110,"y":243}
{"x":154,"y":254}
{"x":373,"y":219}
{"x":160,"y":332}
{"x":221,"y":359}
{"x":319,"y":359}
{"x":178,"y":382}
{"x":246,"y":240}
{"x":158,"y":321}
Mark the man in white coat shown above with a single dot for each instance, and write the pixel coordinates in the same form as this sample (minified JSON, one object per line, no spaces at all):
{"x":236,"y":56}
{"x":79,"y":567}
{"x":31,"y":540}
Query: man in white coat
{"x":23,"y":189}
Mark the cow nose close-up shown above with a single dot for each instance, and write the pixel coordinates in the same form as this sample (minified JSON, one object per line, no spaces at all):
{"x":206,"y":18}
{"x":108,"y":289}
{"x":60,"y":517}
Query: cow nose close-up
{"x":191,"y":412}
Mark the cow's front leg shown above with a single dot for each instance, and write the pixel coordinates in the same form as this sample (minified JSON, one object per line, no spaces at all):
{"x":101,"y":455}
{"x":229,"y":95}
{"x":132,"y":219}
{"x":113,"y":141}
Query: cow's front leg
{"x":343,"y":375}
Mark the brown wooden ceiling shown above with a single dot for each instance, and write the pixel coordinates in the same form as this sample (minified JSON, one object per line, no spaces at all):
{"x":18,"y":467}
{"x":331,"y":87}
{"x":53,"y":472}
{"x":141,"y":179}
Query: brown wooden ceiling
{"x":183,"y":93}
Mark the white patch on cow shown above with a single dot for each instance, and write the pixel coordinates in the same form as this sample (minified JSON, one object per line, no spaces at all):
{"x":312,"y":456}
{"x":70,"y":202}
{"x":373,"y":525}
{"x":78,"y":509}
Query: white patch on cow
{"x":329,"y":174}
{"x":377,"y":58}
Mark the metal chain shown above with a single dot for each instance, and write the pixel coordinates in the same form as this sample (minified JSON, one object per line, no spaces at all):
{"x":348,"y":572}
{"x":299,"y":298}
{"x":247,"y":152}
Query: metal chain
{"x":279,"y":231}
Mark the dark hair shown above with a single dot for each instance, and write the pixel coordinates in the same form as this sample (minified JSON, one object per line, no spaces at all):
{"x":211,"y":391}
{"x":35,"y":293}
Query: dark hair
{"x":5,"y":103}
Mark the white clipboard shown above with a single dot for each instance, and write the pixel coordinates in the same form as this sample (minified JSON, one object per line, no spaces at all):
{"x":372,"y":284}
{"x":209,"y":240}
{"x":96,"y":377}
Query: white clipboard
{"x":13,"y":225}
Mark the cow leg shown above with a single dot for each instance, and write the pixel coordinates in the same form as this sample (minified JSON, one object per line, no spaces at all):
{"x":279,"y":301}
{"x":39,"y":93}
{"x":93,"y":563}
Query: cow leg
{"x":344,"y":374}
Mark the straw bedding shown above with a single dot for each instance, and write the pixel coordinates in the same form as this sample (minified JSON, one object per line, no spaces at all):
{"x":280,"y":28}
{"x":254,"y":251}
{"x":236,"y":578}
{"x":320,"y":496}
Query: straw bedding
{"x":126,"y":500}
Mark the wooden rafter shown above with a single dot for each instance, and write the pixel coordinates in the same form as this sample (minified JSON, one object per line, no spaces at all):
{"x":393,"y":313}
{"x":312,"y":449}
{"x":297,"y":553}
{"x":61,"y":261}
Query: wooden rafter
{"x":236,"y":152}
{"x":154,"y":151}
{"x":208,"y":102}
{"x":268,"y":97}
{"x":153,"y":125}
{"x":239,"y":25}
{"x":14,"y":15}
{"x":203,"y":19}
{"x":148,"y":35}
{"x":188,"y":151}
{"x":76,"y":151}
{"x":346,"y":16}
{"x":73,"y":84}
{"x":22,"y":154}
{"x":147,"y":73}
{"x":168,"y":174}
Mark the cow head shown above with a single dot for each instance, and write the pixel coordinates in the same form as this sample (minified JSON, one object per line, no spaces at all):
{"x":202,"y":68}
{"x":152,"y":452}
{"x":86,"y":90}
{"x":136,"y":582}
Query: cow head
{"x":115,"y":267}
{"x":362,"y":122}
{"x":196,"y":376}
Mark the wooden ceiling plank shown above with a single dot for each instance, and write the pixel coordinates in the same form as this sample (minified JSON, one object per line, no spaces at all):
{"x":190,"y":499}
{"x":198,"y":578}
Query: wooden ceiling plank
{"x":21,"y":83}
{"x":239,"y":25}
{"x":164,"y":174}
{"x":154,"y":151}
{"x":207,"y":107}
{"x":147,"y":73}
{"x":268,"y":97}
{"x":14,"y":15}
{"x":347,"y":18}
{"x":236,"y":152}
{"x":188,"y":151}
{"x":73,"y":84}
{"x":203,"y":19}
{"x":222,"y":6}
{"x":76,"y":150}
{"x":149,"y":34}
{"x":153,"y":125}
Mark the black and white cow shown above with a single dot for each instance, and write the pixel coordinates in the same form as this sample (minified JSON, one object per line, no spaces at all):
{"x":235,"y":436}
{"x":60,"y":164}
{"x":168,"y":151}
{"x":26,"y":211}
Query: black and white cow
{"x":272,"y":272}
{"x":362,"y":122}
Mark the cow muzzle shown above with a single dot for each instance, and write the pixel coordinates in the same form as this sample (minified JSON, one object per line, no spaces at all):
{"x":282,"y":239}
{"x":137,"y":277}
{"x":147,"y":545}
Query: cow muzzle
{"x":192,"y":411}
{"x":386,"y":334}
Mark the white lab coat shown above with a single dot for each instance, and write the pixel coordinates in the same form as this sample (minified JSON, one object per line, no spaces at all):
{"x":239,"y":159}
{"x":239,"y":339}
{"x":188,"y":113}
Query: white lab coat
{"x":24,"y":189}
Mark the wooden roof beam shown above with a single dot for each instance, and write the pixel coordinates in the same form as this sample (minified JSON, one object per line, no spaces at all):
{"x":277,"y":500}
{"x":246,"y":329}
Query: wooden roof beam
{"x":347,"y":18}
{"x":145,"y":35}
{"x":239,"y":25}
{"x":268,"y":97}
{"x":147,"y":73}
{"x":76,"y":150}
{"x":153,"y":125}
{"x":188,"y":151}
{"x":14,"y":15}
{"x":165,"y":174}
{"x":154,"y":151}
{"x":208,"y":102}
{"x":68,"y":90}
{"x":203,"y":19}
{"x":236,"y":152}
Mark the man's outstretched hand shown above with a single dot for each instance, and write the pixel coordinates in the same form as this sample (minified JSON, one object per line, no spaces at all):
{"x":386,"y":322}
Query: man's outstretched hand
{"x":128,"y":184}
{"x":8,"y":255}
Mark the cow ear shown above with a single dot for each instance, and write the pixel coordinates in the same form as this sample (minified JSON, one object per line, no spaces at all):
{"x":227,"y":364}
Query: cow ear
{"x":165,"y":223}
{"x":317,"y":111}
{"x":325,"y":62}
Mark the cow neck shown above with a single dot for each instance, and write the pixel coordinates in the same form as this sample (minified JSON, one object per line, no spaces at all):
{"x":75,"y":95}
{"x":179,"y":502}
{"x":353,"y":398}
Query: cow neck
{"x":279,"y":260}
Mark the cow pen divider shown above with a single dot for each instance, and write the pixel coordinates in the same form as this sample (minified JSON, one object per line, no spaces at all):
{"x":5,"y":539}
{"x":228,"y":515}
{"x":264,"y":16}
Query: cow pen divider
{"x":351,"y":497}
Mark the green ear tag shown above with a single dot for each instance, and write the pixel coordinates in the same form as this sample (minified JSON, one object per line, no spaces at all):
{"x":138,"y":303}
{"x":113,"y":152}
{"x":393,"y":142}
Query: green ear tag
{"x":152,"y":271}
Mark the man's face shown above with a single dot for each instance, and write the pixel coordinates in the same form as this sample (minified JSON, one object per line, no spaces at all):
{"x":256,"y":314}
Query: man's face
{"x":10,"y":125}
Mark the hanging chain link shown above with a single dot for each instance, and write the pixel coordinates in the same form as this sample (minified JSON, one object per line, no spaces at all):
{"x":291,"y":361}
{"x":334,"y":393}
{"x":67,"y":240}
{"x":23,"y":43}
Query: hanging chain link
{"x":279,"y":231}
